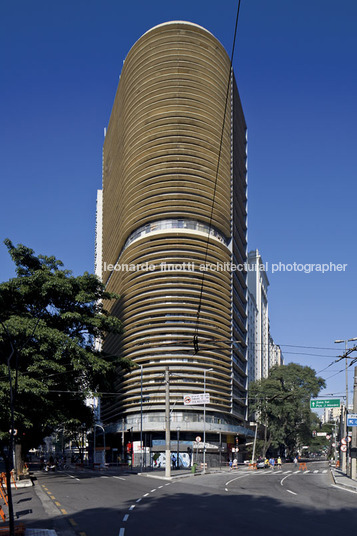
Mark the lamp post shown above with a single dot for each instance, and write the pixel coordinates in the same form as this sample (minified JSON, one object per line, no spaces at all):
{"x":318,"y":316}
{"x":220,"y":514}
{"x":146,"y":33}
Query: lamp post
{"x":345,"y":454}
{"x":99,"y":426}
{"x":255,"y":439}
{"x":204,"y":418}
{"x":178,"y":448}
{"x":141,"y":419}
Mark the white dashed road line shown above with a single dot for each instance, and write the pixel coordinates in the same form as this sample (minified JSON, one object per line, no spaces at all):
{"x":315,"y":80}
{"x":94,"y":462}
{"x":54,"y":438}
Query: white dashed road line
{"x":119,"y":477}
{"x":126,"y":517}
{"x":121,"y":532}
{"x":292,"y":492}
{"x":132,"y":507}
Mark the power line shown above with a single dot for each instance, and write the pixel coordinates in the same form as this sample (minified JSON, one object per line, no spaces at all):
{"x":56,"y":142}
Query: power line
{"x":195,"y":337}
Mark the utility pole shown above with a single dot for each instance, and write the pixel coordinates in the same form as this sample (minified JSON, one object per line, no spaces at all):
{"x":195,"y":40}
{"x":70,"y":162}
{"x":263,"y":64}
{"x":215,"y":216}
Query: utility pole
{"x":167,"y":424}
{"x":354,"y":432}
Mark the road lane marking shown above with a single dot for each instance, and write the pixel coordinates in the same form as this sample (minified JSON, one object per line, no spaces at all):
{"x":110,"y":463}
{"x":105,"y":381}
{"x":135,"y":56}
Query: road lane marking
{"x":138,"y":500}
{"x":296,"y":472}
{"x":72,"y":522}
{"x":121,"y":532}
{"x":52,"y":497}
{"x":226,"y":489}
{"x":289,"y":491}
{"x":167,"y":484}
{"x":285,"y":477}
{"x":160,"y":487}
{"x":64,"y":512}
{"x":126,"y":517}
{"x":324,"y":471}
{"x":152,"y":491}
{"x":286,"y":472}
{"x":305,"y":472}
{"x":119,"y":477}
{"x":57,"y":503}
{"x":237,"y":478}
{"x":316,"y":471}
{"x":343,"y":489}
{"x":103,"y":476}
{"x":146,"y":494}
{"x":132,"y":507}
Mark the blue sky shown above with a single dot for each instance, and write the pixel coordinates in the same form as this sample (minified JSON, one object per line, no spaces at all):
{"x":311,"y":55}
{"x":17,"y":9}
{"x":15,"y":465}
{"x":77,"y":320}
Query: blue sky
{"x":295,"y":65}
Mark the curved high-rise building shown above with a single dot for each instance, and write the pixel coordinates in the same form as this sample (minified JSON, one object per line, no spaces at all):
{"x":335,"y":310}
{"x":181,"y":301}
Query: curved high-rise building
{"x":174,"y":222}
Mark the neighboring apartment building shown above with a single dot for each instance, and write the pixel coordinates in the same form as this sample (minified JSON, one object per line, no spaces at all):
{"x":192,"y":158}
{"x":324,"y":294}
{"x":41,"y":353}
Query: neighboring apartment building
{"x":263,"y":353}
{"x":167,"y":215}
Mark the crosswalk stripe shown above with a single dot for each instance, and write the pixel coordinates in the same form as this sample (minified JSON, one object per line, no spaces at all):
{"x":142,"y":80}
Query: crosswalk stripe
{"x":316,"y":471}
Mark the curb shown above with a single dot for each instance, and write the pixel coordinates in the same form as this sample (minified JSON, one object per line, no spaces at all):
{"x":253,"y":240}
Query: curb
{"x":350,"y":487}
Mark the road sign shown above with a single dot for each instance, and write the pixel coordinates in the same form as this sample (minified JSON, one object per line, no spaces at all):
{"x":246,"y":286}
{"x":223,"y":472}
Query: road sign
{"x":352,"y":419}
{"x":322,"y":434}
{"x":198,"y":439}
{"x":197,"y":399}
{"x":343,"y":448}
{"x":343,"y":441}
{"x":325,"y":403}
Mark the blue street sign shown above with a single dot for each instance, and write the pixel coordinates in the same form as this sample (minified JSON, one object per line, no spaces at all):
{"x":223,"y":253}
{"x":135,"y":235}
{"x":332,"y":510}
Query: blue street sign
{"x":352,"y":419}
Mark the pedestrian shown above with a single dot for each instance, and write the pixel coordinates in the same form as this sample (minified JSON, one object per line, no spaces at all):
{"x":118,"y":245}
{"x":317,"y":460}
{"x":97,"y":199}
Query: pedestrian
{"x":230,"y":465}
{"x":279,"y":462}
{"x":295,"y":461}
{"x":272,"y":462}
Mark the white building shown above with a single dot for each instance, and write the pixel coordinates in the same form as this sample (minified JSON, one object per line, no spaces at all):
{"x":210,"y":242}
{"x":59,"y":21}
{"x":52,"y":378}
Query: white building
{"x":275,"y":354}
{"x":262,"y":352}
{"x":258,"y":319}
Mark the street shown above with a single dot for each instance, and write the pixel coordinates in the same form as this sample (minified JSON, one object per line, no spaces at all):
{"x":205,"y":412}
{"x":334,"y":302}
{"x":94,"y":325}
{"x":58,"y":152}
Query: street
{"x":278,"y":502}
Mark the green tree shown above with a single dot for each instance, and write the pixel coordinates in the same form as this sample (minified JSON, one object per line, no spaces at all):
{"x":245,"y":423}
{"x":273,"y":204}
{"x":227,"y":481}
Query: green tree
{"x":49,"y":321}
{"x":281,"y":403}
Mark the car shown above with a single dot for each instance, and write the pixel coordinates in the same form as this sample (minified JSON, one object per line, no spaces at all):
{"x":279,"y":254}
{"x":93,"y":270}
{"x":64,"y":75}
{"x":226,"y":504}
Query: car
{"x":261,"y":464}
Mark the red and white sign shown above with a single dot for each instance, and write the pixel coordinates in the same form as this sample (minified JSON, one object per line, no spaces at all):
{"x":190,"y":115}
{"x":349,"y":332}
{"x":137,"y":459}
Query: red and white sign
{"x":343,"y":441}
{"x":196,"y":399}
{"x":343,"y":448}
{"x":198,"y":439}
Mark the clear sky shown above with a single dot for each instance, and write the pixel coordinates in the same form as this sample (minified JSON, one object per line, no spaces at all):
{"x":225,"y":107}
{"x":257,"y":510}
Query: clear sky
{"x":295,"y":65}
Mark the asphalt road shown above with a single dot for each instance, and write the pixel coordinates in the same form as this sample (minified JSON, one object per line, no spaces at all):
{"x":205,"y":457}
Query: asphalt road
{"x":245,"y":503}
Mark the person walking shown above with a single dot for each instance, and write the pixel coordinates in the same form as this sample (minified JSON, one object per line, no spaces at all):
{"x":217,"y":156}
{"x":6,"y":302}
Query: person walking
{"x":272,"y":463}
{"x":278,"y":463}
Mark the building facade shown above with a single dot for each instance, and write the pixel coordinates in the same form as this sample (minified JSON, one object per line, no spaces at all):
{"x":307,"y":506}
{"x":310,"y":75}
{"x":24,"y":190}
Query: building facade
{"x":262,"y":352}
{"x":173,"y":221}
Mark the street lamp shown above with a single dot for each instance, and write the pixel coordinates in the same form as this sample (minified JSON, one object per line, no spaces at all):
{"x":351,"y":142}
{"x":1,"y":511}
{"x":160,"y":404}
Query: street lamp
{"x":178,"y":448}
{"x":204,"y":418}
{"x":141,"y":419}
{"x":345,"y":455}
{"x":255,"y":439}
{"x":99,"y":426}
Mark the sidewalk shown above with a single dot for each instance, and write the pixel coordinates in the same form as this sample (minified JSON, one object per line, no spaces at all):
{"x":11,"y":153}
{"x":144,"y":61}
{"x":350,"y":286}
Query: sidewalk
{"x":341,"y":479}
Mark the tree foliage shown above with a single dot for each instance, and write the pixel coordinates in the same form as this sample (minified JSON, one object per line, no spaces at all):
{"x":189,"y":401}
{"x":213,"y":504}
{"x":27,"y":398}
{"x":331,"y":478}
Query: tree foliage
{"x":49,"y":320}
{"x":281,"y":403}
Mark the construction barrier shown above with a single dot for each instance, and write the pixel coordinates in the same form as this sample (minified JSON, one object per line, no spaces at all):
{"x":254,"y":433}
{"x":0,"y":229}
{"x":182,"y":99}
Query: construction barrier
{"x":303,"y":466}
